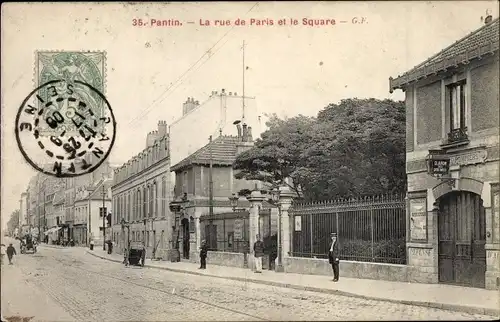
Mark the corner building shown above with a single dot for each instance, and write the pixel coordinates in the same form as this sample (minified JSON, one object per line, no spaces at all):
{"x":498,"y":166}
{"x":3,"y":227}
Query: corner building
{"x":452,"y":114}
{"x":141,"y":193}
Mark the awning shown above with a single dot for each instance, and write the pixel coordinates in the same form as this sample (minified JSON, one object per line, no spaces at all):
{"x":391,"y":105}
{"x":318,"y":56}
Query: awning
{"x":52,"y":230}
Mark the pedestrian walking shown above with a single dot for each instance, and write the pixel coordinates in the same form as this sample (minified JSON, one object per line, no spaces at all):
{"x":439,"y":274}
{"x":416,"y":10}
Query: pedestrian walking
{"x":333,"y":256}
{"x":11,"y":251}
{"x":258,"y":253}
{"x":91,"y":244}
{"x":203,"y":254}
{"x":143,"y":255}
{"x":125,"y":256}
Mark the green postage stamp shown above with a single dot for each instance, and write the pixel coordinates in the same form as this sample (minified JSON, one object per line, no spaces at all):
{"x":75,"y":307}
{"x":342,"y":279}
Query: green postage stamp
{"x":65,"y":127}
{"x":70,"y":66}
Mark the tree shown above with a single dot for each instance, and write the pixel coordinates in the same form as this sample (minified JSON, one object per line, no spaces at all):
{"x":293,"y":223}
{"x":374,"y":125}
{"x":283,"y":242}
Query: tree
{"x":278,"y":153}
{"x":353,"y":148}
{"x":13,"y":222}
{"x":358,"y":148}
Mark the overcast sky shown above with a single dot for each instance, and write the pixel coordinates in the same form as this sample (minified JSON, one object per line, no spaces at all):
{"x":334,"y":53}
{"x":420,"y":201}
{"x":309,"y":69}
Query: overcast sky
{"x":292,"y":69}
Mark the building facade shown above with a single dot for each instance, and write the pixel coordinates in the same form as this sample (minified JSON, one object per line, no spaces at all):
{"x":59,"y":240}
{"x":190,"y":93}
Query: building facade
{"x":452,"y":162}
{"x":23,"y":214}
{"x":141,"y":193}
{"x":216,"y":113}
{"x":192,"y":182}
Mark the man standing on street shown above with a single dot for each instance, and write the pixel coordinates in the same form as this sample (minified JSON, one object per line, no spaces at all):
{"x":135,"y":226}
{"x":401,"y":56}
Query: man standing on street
{"x":258,"y":250}
{"x":203,"y":255}
{"x":333,"y":256}
{"x":11,"y":251}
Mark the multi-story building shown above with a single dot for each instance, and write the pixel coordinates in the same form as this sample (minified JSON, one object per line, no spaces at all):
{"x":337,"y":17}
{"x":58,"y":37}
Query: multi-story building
{"x":23,"y":214}
{"x":76,"y":184}
{"x":141,"y":193}
{"x":452,"y":162}
{"x":38,"y":196}
{"x":192,"y":182}
{"x":90,"y":204}
{"x":217,"y":113}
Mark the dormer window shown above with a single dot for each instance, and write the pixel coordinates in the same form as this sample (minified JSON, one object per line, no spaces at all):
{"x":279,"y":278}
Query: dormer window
{"x":458,"y":109}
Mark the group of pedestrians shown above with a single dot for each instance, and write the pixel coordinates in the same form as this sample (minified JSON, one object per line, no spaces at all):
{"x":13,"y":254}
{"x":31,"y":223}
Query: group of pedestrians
{"x":259,"y":251}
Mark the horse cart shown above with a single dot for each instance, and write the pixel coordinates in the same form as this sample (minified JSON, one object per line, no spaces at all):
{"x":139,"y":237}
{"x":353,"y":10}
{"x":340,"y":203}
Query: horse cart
{"x":28,"y":245}
{"x":136,"y":254}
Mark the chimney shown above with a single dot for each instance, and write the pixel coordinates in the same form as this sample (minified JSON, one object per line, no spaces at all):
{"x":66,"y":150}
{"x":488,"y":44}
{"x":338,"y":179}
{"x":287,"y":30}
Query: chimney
{"x":249,"y":134}
{"x":245,"y":133}
{"x":162,"y":129}
{"x":238,"y":127}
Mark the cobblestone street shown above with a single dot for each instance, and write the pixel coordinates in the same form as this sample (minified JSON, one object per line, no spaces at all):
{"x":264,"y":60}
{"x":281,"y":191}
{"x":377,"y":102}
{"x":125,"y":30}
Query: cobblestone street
{"x":88,"y":288}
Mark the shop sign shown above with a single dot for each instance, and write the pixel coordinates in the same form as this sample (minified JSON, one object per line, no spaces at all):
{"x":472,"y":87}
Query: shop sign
{"x":438,"y":164}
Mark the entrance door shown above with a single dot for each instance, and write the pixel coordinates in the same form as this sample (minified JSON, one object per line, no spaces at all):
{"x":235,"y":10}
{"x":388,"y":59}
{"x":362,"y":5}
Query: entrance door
{"x":185,"y":238}
{"x":462,"y":238}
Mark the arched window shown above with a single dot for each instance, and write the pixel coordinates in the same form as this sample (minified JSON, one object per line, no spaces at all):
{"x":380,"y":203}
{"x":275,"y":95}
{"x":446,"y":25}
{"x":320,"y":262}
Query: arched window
{"x":129,"y":205}
{"x":144,"y":202}
{"x":134,"y":207}
{"x":156,"y":200}
{"x":151,"y":201}
{"x":164,"y":196}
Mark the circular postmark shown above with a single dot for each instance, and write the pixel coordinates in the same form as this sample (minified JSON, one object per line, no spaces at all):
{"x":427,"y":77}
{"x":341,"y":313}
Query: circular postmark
{"x":60,"y":133}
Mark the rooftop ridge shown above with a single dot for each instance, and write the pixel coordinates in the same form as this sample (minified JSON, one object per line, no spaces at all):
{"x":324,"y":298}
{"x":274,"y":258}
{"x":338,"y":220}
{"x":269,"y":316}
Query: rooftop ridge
{"x":464,"y":38}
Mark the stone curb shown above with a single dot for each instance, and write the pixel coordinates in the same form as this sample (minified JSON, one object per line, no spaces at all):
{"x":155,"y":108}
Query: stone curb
{"x":443,"y":306}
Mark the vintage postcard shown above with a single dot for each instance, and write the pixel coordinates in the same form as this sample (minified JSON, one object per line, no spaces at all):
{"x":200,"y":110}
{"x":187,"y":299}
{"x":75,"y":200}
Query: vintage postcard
{"x":282,"y":161}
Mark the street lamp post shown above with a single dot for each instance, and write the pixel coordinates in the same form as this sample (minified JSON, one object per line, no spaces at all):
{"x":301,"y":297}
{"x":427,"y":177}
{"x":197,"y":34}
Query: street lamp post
{"x":125,"y":224}
{"x":276,"y":200}
{"x":234,"y":201}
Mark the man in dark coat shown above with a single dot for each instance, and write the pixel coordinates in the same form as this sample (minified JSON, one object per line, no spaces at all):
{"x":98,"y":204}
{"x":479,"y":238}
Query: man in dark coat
{"x":203,"y":255}
{"x":11,"y":251}
{"x":333,"y":256}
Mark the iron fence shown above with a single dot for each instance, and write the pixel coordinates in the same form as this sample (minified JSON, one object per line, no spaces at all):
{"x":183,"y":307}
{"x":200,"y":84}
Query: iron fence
{"x":371,"y":229}
{"x":226,"y":232}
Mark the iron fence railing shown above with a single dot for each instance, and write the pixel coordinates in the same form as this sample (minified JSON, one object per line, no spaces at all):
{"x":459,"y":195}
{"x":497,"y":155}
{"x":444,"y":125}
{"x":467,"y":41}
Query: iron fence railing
{"x":226,"y":232}
{"x":371,"y":229}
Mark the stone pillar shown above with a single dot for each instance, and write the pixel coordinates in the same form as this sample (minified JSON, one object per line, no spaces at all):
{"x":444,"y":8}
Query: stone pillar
{"x":198,"y":234}
{"x":491,"y":203}
{"x":255,"y":199}
{"x":286,"y":198}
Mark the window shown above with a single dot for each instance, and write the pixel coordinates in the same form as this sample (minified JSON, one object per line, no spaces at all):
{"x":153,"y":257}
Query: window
{"x":144,"y":202}
{"x":129,"y":207}
{"x":151,"y":201}
{"x":185,"y":183}
{"x":156,"y":200}
{"x":164,"y":196}
{"x":457,"y":100}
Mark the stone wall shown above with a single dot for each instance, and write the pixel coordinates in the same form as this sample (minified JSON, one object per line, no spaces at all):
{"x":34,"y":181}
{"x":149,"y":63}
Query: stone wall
{"x":378,"y":271}
{"x":220,"y":258}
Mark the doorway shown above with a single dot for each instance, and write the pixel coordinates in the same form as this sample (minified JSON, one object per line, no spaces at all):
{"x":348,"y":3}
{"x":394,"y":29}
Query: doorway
{"x":462,"y":239}
{"x":185,"y":238}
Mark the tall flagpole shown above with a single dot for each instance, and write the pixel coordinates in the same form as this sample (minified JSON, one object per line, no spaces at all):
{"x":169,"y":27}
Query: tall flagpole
{"x":244,"y":67}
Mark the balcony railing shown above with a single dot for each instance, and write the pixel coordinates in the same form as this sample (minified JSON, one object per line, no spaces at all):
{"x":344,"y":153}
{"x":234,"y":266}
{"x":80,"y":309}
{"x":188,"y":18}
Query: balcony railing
{"x":458,"y":136}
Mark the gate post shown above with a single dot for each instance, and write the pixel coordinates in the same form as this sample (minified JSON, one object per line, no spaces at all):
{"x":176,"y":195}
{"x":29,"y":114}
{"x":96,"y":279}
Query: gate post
{"x":255,"y":199}
{"x":286,"y":198}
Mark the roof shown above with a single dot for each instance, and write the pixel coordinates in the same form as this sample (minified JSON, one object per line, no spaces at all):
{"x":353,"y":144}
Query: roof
{"x":96,"y":189}
{"x":223,"y":150}
{"x":480,"y":42}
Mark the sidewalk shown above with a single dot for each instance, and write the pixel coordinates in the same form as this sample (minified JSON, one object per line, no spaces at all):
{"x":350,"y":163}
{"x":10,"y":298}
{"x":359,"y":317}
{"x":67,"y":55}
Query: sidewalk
{"x":454,"y":298}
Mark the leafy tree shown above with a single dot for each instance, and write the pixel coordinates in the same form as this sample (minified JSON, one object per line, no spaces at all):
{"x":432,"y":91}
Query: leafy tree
{"x":353,"y":148}
{"x":278,"y":153}
{"x":13,"y":222}
{"x":358,"y":148}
